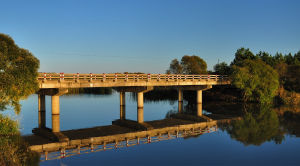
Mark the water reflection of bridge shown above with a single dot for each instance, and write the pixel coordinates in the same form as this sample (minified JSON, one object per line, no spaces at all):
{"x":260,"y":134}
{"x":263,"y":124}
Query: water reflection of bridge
{"x":122,"y":133}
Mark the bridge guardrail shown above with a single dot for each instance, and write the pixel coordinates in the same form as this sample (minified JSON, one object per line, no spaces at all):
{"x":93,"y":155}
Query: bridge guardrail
{"x":126,"y":77}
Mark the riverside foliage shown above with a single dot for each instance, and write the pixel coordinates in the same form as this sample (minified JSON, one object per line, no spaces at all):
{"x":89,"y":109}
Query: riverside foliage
{"x":13,"y":150}
{"x":18,"y":73}
{"x":257,"y":80}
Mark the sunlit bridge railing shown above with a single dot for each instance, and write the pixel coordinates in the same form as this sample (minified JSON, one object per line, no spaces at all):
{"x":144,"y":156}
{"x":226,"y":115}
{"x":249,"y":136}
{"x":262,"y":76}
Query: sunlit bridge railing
{"x":68,"y":152}
{"x":127,"y":77}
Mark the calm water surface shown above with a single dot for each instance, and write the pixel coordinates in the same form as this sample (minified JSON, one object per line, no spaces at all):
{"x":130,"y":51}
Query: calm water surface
{"x":217,"y":148}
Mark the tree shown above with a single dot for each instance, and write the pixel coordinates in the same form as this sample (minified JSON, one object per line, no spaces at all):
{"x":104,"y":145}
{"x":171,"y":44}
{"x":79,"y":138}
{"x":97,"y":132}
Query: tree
{"x":188,"y":65}
{"x":257,"y":80}
{"x":193,"y":65}
{"x":222,"y":68}
{"x":18,"y":73}
{"x":243,"y":54}
{"x":292,"y":78}
{"x":266,"y":57}
{"x":175,"y":67}
{"x":13,"y":149}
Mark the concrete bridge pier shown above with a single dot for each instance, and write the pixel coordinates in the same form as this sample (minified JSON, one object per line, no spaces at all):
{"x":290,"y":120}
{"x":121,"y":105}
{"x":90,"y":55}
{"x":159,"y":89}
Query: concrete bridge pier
{"x":55,"y":109}
{"x":41,"y":110}
{"x":180,"y":100}
{"x":140,"y":115}
{"x":122,"y":106}
{"x":199,"y":102}
{"x":140,"y":107}
{"x":55,"y":114}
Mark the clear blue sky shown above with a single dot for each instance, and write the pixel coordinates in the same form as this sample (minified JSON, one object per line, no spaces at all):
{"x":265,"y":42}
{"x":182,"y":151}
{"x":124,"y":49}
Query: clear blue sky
{"x":145,"y":35}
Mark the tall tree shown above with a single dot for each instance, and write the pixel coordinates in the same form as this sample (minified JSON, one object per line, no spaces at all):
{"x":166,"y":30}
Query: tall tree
{"x":222,"y":68}
{"x":243,"y":54}
{"x":266,"y":57}
{"x":18,"y":73}
{"x":193,"y":65}
{"x":258,"y":81}
{"x":175,"y":67}
{"x":188,"y":65}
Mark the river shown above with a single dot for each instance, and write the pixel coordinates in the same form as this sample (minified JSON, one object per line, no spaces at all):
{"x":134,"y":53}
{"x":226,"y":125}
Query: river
{"x":268,"y":140}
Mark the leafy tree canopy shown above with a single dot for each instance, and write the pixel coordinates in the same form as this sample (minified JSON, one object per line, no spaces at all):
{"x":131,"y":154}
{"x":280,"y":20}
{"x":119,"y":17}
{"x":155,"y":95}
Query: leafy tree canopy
{"x":243,"y":54}
{"x":222,"y":68}
{"x":258,"y":81}
{"x":175,"y":67}
{"x":188,"y":65}
{"x":18,"y":73}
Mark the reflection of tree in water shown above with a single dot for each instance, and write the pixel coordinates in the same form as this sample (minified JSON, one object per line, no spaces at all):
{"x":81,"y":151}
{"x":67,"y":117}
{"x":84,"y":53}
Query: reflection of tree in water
{"x":170,"y":113}
{"x":290,"y":121}
{"x":259,"y":124}
{"x":13,"y":150}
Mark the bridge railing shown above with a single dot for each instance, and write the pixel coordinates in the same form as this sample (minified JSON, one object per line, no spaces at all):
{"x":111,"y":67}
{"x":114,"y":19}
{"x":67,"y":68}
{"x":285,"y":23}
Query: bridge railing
{"x":126,"y":77}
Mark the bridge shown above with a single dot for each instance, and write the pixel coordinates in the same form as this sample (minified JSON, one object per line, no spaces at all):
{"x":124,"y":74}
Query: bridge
{"x":57,"y":84}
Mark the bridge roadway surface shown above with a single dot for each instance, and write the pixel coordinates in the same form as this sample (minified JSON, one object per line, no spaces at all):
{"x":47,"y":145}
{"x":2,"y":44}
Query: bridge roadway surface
{"x":61,"y":80}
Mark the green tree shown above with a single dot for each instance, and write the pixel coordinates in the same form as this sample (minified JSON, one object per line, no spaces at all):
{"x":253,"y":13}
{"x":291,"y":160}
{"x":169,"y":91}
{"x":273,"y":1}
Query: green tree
{"x":222,"y":68}
{"x":18,"y":73}
{"x":13,"y":150}
{"x":257,"y":80}
{"x":266,"y":57}
{"x":243,"y":54}
{"x":279,"y":58}
{"x":175,"y":67}
{"x":188,"y":65}
{"x":193,"y":65}
{"x":292,"y":78}
{"x":289,"y":59}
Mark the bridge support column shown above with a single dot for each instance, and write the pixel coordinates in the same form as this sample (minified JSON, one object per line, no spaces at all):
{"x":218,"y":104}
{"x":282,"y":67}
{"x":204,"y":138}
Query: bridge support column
{"x":122,"y":112}
{"x":140,"y":107}
{"x":140,"y":100}
{"x":140,"y":115}
{"x":55,"y":123}
{"x":55,"y":114}
{"x":199,"y":102}
{"x":180,"y":100}
{"x":122,"y":98}
{"x":122,"y":106}
{"x":180,"y":107}
{"x":42,"y":111}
